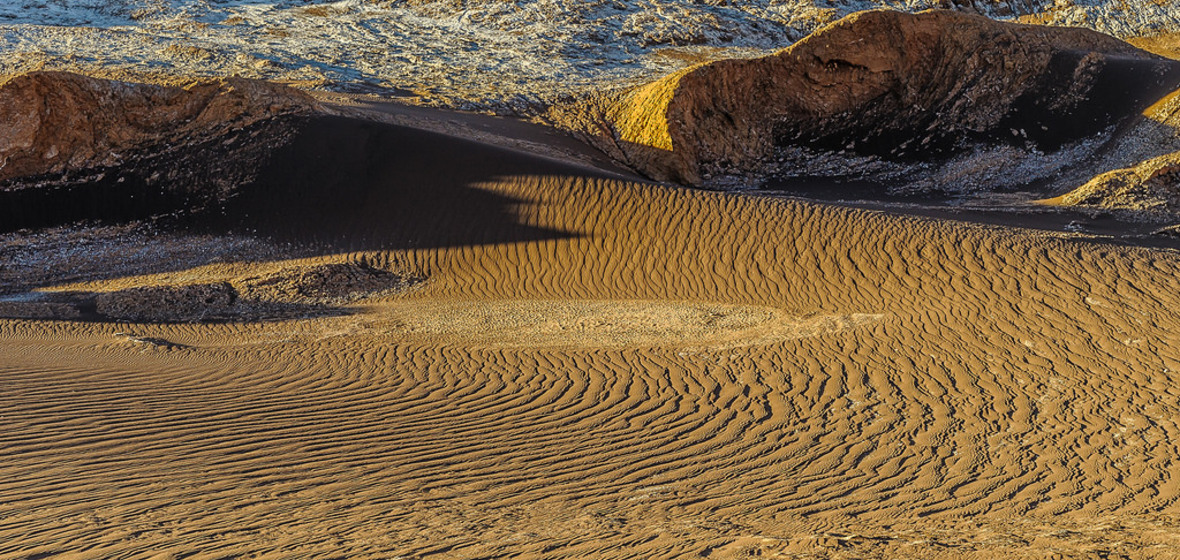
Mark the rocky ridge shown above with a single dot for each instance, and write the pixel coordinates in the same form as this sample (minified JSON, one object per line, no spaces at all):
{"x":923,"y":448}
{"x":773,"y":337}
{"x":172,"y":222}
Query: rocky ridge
{"x":1151,"y":187}
{"x":292,"y":291}
{"x":880,"y":93}
{"x":283,"y":293}
{"x":57,"y":121}
{"x":1138,"y":171}
{"x":936,"y":100}
{"x":511,"y":57}
{"x":82,"y":148}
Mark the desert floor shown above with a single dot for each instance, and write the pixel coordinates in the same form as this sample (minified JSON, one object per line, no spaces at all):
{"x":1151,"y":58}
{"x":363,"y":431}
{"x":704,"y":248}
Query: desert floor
{"x":592,"y":366}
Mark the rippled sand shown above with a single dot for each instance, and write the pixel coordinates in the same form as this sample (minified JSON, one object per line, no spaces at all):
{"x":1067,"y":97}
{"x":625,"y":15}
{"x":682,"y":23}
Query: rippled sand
{"x":662,"y":373}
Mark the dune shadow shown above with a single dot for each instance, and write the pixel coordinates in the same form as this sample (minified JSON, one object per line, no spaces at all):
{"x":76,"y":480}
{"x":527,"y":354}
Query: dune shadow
{"x":334,"y":183}
{"x":351,"y":184}
{"x":83,"y":306}
{"x":314,"y":186}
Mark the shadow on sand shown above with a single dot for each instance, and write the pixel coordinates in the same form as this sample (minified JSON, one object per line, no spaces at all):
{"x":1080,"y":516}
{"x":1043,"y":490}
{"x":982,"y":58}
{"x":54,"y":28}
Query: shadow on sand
{"x":332,"y":182}
{"x":330,"y":185}
{"x":357,"y":185}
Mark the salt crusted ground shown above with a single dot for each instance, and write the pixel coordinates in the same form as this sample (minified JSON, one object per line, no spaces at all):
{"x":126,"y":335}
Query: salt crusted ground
{"x":499,"y":55}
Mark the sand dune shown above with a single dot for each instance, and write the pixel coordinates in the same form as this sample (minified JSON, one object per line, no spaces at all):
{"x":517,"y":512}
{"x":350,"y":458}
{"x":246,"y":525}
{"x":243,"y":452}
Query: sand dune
{"x":824,"y":382}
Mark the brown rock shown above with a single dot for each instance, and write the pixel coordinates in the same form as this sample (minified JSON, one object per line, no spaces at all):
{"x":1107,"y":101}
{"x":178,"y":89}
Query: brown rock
{"x":192,"y":302}
{"x":884,"y":83}
{"x":332,"y":282}
{"x":56,"y":120}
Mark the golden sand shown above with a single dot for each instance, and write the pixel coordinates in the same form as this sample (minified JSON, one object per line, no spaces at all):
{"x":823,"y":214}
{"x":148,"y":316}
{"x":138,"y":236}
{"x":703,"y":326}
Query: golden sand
{"x":685,"y":374}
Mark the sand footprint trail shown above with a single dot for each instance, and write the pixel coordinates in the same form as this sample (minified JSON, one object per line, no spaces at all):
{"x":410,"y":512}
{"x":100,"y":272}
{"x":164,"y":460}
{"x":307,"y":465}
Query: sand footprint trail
{"x":946,"y":371}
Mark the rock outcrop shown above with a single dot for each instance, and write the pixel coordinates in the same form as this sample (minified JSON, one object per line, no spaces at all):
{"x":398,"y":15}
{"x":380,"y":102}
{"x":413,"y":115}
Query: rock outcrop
{"x":194,"y":302}
{"x":54,"y":121}
{"x":294,"y":291}
{"x":891,"y":85}
{"x":1151,"y":186}
{"x":1137,"y":170}
{"x":79,"y":148}
{"x":282,"y":293}
{"x":321,"y":284}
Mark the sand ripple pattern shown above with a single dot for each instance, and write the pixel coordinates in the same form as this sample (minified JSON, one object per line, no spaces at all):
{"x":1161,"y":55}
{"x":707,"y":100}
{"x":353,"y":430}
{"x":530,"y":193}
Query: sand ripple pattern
{"x":1002,"y":376}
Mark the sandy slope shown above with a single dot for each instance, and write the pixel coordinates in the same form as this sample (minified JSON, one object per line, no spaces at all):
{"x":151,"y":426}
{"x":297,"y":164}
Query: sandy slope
{"x":664,"y":373}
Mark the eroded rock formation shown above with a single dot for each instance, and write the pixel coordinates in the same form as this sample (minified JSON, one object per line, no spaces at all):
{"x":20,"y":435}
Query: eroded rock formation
{"x":885,"y":84}
{"x":55,"y":121}
{"x":75,"y":147}
{"x":295,"y":291}
{"x":192,"y":302}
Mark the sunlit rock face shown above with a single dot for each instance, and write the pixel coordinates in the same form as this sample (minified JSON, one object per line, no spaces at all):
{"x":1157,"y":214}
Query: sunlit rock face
{"x":890,"y":85}
{"x":1152,"y":186}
